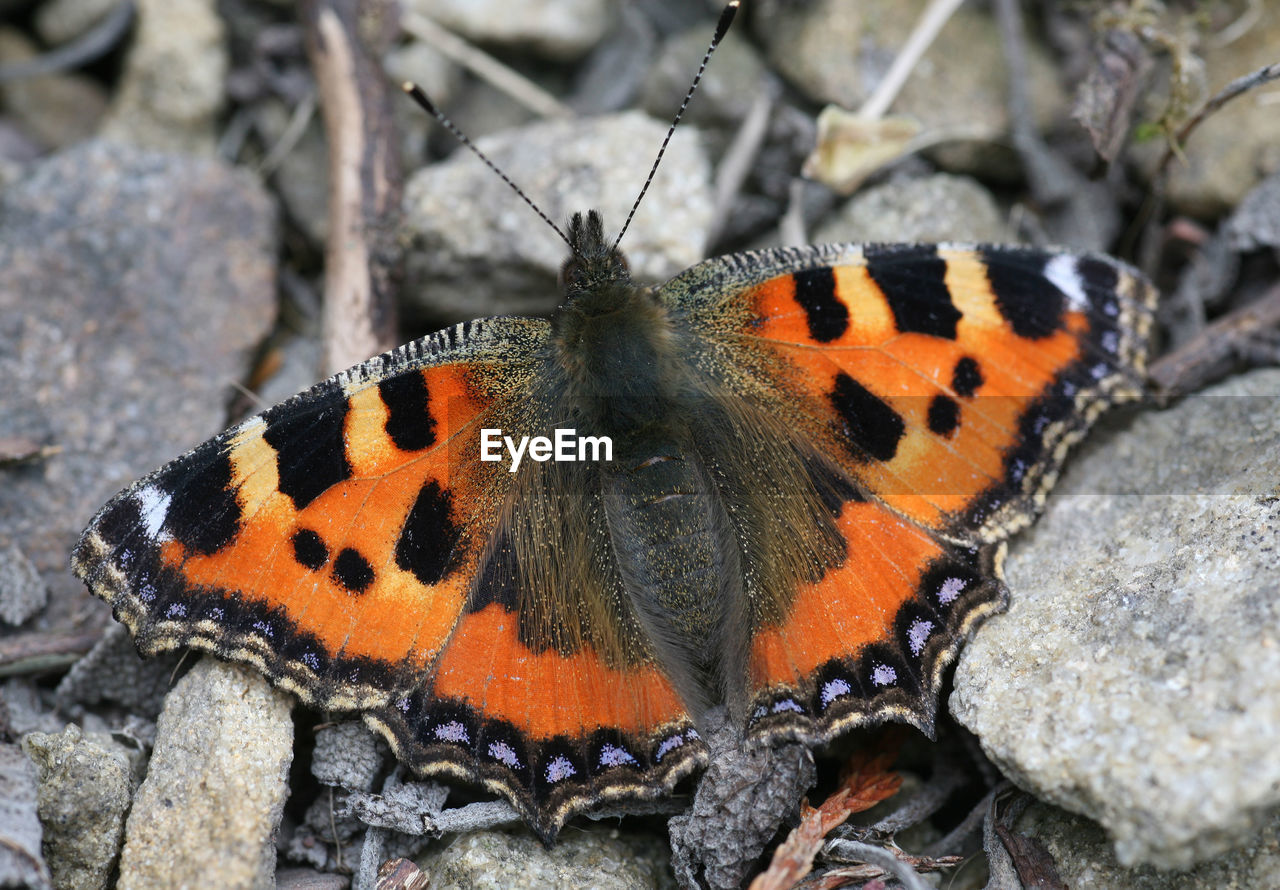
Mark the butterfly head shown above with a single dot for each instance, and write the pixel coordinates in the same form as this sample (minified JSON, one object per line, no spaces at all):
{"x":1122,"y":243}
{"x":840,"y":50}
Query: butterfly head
{"x":612,"y":338}
{"x":593,"y":265}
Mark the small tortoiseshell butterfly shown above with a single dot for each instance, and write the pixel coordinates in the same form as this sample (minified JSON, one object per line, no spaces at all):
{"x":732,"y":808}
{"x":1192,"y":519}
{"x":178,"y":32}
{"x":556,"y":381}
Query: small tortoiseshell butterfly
{"x":816,"y":455}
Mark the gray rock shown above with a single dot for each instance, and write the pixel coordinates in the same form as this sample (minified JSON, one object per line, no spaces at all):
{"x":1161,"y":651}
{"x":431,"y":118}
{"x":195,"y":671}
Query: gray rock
{"x":477,"y":250}
{"x":59,"y":21}
{"x":21,"y":862}
{"x":728,"y":88}
{"x":962,"y":86}
{"x":1136,"y":676}
{"x":440,"y":78}
{"x":55,"y":110}
{"x":348,"y":755}
{"x":85,"y":788}
{"x":556,"y":29}
{"x":17,"y":149}
{"x":216,"y":785}
{"x":23,"y":709}
{"x":832,"y":50}
{"x":112,"y":671}
{"x":611,"y":76}
{"x":1255,"y":222}
{"x":301,"y":178}
{"x":309,"y":879}
{"x":1084,"y":858}
{"x":132,"y":287}
{"x":22,"y":593}
{"x":423,"y":64}
{"x":837,"y":51}
{"x":940,"y":207}
{"x":172,"y":87}
{"x":598,"y":858}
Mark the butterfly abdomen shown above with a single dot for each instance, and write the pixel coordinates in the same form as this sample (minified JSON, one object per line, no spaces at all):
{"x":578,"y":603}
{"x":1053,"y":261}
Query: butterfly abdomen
{"x":678,"y":559}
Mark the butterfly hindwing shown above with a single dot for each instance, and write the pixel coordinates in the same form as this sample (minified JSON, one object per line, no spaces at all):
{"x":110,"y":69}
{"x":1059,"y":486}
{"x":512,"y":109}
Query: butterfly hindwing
{"x":548,"y":691}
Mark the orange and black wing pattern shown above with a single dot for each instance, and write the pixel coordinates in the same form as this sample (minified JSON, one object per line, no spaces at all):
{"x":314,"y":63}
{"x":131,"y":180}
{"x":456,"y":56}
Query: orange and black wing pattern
{"x":351,"y":545}
{"x":329,"y":541}
{"x":869,"y":423}
{"x":940,"y":387}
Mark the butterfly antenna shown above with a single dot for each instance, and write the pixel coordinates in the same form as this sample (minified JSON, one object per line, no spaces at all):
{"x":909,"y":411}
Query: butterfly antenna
{"x":726,"y":19}
{"x":416,"y":93}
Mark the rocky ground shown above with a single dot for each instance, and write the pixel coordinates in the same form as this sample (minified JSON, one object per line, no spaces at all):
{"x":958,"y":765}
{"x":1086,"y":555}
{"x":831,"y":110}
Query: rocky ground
{"x":165,"y":201}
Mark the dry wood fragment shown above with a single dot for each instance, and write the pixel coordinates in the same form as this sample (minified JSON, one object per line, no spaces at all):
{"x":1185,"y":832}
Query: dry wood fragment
{"x":1249,"y":334}
{"x":362,"y":258}
{"x":869,"y":782}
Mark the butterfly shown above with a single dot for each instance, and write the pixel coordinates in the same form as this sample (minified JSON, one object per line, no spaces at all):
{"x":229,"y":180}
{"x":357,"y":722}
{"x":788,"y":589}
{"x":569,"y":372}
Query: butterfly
{"x":534,"y":554}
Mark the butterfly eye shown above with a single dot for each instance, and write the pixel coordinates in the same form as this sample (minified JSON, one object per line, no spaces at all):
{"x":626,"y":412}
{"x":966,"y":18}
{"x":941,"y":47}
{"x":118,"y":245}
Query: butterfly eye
{"x":570,"y":271}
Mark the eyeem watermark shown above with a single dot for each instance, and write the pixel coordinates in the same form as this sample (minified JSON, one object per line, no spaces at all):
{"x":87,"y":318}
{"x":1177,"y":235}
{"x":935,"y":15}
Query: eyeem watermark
{"x":566,"y":446}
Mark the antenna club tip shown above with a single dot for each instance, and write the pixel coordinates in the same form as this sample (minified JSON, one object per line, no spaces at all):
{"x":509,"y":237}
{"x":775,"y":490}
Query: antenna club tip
{"x":416,"y":93}
{"x":726,"y":19}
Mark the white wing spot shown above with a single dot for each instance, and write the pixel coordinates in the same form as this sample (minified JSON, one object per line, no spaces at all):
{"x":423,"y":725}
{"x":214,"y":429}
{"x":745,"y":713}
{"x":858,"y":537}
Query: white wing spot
{"x":453,"y":731}
{"x":883,"y":675}
{"x":1062,"y":271}
{"x":612,"y":755}
{"x":950,"y":589}
{"x":504,"y":754}
{"x":918,"y":634}
{"x":560,"y":769}
{"x":834,"y":689}
{"x":787,"y":704}
{"x":669,"y":745}
{"x":154,"y":506}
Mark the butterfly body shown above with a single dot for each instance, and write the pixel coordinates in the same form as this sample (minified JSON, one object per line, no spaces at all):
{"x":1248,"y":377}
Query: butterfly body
{"x":817,"y":454}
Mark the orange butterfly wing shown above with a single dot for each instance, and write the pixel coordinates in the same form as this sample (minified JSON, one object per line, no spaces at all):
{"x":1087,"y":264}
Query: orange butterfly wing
{"x":943,"y":386}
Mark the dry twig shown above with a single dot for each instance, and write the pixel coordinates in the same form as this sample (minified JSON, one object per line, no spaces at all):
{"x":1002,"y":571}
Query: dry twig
{"x":869,"y":782}
{"x":1215,"y":350}
{"x":486,"y":67}
{"x":935,"y":15}
{"x":736,"y":164}
{"x":92,"y":45}
{"x":39,"y":652}
{"x":362,"y":258}
{"x":1236,"y":88}
{"x":1154,"y":205}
